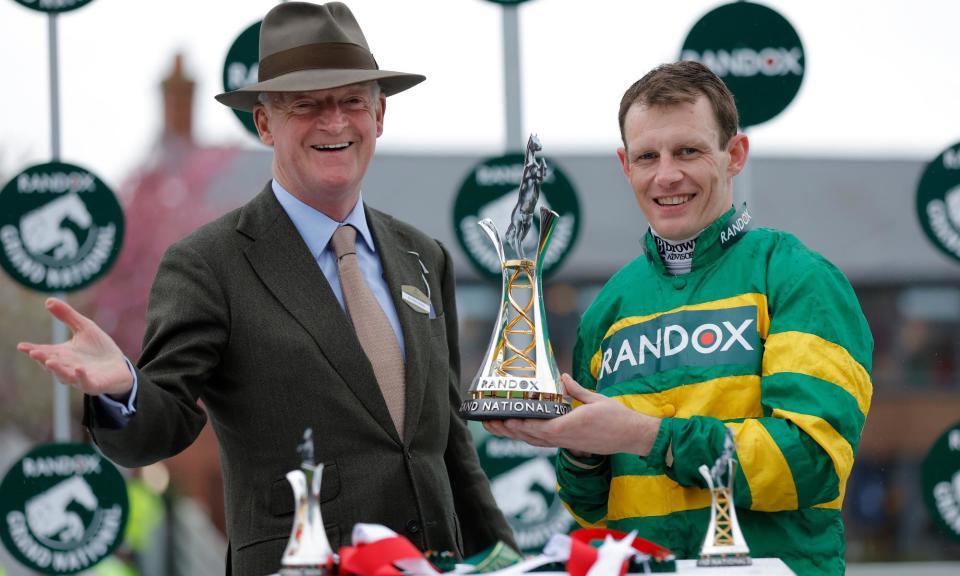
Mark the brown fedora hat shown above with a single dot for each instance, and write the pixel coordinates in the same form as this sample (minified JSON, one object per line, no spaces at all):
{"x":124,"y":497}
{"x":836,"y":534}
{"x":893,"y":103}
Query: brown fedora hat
{"x":306,"y":47}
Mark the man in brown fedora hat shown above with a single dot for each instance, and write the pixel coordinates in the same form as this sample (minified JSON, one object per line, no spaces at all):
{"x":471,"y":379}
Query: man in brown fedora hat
{"x":250,"y":314}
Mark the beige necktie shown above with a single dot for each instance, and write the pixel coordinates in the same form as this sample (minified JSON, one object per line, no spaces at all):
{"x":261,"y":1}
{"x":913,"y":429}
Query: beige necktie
{"x":374,"y":331}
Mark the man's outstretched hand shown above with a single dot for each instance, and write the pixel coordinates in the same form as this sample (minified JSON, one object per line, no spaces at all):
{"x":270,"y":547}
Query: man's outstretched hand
{"x":601,"y":425}
{"x":90,"y":361}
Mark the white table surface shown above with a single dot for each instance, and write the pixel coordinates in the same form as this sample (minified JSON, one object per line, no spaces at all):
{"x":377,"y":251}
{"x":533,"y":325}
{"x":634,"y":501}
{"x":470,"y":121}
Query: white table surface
{"x":768,"y":566}
{"x":760,"y":566}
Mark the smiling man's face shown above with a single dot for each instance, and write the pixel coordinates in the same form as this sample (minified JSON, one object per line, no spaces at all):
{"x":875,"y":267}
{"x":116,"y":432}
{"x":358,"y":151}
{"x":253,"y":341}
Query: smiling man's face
{"x":323,"y":142}
{"x":680,"y":175}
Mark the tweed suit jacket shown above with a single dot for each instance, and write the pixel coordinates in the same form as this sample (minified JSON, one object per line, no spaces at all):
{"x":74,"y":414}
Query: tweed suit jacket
{"x":241,"y":318}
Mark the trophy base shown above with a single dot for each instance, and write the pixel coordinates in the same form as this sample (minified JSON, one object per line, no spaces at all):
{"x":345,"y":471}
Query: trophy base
{"x":506,"y":408}
{"x":724,"y":560}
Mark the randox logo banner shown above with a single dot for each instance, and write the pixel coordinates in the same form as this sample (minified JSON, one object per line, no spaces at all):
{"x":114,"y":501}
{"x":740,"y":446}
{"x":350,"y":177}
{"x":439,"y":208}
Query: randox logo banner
{"x":63,"y":508}
{"x":60,"y":228}
{"x":685,"y":338}
{"x":756,"y":52}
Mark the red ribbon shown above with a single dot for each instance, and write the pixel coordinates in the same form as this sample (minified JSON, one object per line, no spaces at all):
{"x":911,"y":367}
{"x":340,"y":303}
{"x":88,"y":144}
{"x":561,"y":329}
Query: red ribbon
{"x":583,"y":555}
{"x":377,"y":558}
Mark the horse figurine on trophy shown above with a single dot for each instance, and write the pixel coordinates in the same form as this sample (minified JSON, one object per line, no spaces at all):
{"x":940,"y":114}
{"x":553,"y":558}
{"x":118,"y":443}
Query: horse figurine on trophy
{"x":521,"y":219}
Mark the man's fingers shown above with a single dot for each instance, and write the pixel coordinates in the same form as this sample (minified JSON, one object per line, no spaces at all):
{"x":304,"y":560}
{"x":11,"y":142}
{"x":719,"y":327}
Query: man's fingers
{"x":494,"y":427}
{"x":36,"y":352}
{"x":25,"y":347}
{"x":578,"y":392}
{"x":45,"y":352}
{"x":502,"y":427}
{"x":71,"y":374}
{"x":82,"y":378}
{"x":63,"y":373}
{"x":518,"y":430}
{"x":66,"y":314}
{"x":533,"y":432}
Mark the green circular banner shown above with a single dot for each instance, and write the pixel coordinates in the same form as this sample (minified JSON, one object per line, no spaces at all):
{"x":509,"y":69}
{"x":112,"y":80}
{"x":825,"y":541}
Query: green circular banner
{"x":63,"y":508}
{"x":53,"y":5}
{"x":938,"y":201}
{"x":941,"y":481}
{"x":756,"y":52}
{"x":490,"y":190}
{"x":523,"y":479}
{"x":60,"y":227}
{"x":240,"y":69}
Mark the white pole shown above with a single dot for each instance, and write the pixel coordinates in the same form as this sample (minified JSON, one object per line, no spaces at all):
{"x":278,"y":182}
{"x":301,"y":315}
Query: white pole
{"x":511,"y":78}
{"x":61,"y":393}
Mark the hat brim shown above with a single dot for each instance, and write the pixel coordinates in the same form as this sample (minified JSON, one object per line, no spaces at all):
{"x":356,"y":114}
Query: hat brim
{"x":309,"y":80}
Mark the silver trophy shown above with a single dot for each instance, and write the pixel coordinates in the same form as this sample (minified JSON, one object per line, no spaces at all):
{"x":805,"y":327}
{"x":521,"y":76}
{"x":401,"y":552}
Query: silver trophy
{"x":724,"y":544}
{"x":519,"y":376}
{"x":308,"y":551}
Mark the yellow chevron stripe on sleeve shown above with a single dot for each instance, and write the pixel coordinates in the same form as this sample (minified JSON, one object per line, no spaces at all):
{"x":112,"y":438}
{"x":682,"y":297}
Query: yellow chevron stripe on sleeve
{"x":643,"y":496}
{"x":601,"y":523}
{"x":839,"y":450}
{"x":766,"y":469}
{"x":726,"y":398}
{"x":748,"y":299}
{"x":809,"y":354}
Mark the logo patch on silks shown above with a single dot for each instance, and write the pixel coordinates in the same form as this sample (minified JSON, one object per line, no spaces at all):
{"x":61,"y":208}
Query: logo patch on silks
{"x":938,"y":201}
{"x":684,"y":338}
{"x":60,"y":228}
{"x":523,"y":480}
{"x":63,"y":508}
{"x":490,"y":191}
{"x":941,"y":481}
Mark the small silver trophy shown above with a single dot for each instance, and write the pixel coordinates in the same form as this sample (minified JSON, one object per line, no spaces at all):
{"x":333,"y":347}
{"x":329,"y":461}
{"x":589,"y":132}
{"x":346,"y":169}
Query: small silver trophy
{"x":519,"y":377}
{"x":308,"y":551}
{"x":724,"y":544}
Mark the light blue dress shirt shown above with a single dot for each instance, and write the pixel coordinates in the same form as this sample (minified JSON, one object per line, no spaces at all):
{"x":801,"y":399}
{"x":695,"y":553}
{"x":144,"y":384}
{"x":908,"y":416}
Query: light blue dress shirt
{"x":316,"y":229}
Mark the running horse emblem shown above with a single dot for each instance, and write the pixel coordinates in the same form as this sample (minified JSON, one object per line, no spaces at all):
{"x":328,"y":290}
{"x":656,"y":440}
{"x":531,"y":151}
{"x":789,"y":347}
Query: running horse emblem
{"x":521,"y":219}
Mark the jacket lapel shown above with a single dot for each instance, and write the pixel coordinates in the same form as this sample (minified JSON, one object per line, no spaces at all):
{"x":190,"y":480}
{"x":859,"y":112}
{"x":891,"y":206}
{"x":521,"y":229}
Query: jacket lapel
{"x":401,"y":267}
{"x":284,"y":264}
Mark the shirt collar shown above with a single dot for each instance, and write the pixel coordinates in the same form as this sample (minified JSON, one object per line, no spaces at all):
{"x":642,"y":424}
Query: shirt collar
{"x":317,"y":228}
